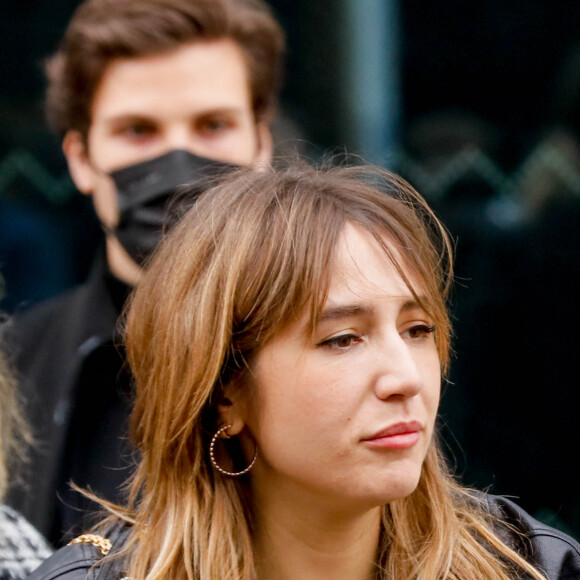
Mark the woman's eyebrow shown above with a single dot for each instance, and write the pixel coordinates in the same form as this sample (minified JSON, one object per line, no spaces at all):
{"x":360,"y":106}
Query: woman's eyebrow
{"x":343,"y":311}
{"x":413,"y":304}
{"x":353,"y":310}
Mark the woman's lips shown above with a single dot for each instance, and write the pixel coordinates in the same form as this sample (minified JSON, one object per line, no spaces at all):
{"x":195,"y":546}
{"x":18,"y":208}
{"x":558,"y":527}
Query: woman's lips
{"x":398,"y":436}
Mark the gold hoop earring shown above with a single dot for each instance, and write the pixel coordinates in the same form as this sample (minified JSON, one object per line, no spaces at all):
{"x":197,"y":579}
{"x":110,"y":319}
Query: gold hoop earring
{"x":212,"y":458}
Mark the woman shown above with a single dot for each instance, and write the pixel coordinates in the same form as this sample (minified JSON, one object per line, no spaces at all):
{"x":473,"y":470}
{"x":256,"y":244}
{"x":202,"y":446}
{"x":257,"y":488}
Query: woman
{"x":287,"y":343}
{"x":22,"y":548}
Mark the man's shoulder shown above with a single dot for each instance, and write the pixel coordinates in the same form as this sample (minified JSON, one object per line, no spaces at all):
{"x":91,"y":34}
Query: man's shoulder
{"x":43,"y":316}
{"x":52,"y":323}
{"x":60,"y":318}
{"x":63,"y":323}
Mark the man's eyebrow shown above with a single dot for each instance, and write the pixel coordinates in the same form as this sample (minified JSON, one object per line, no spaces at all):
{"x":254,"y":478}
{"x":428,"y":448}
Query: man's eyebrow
{"x":344,"y":311}
{"x":127,"y":117}
{"x":123,"y":116}
{"x":223,"y":110}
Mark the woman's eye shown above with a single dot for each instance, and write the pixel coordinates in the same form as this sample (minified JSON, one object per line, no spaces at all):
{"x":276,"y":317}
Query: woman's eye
{"x":341,"y":342}
{"x":418,"y":331}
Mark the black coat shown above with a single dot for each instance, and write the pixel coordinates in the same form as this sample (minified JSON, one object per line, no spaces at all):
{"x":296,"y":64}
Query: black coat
{"x":555,"y":553}
{"x":71,"y":378}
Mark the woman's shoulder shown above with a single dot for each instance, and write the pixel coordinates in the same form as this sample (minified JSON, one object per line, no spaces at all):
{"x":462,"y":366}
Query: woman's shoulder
{"x":22,"y":548}
{"x":88,"y":557}
{"x":551,"y":550}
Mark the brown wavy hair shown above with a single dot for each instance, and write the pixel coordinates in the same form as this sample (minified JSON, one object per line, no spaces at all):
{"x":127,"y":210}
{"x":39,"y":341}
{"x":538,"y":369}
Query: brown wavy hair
{"x":15,"y":435}
{"x":248,"y":258}
{"x":103,"y":30}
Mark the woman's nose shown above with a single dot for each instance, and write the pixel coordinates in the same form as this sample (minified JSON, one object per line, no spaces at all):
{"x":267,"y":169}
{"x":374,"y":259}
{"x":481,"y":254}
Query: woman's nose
{"x":398,"y":371}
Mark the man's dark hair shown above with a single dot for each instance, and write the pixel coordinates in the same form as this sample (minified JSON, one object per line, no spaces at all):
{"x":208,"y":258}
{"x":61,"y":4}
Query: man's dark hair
{"x":103,"y":30}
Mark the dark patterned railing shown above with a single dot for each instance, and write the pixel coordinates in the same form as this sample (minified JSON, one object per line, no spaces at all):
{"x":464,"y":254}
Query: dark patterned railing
{"x":21,"y":164}
{"x":547,"y":158}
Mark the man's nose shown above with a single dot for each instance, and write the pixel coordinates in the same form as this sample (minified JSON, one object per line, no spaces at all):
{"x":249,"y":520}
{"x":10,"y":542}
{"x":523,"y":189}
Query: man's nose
{"x":181,"y":136}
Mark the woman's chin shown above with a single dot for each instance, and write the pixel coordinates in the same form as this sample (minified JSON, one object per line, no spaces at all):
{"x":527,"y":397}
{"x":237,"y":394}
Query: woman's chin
{"x":380,"y":495}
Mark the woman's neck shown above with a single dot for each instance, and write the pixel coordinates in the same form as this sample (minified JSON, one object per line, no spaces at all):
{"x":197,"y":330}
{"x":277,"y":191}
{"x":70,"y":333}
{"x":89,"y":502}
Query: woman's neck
{"x":310,"y":542}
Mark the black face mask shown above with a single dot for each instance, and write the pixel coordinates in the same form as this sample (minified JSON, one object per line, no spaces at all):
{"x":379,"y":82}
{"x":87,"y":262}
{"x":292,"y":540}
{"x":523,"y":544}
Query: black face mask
{"x":148,"y":203}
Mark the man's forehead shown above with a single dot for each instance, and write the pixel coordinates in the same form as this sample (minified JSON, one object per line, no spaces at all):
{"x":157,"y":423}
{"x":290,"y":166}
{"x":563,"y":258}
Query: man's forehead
{"x":210,"y":75}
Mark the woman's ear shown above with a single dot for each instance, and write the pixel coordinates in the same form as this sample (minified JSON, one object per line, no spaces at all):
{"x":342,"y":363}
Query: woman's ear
{"x":230,"y":410}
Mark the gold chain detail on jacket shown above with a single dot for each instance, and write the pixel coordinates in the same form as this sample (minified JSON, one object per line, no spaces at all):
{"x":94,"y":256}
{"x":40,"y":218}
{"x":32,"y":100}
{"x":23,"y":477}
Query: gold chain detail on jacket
{"x":103,"y":544}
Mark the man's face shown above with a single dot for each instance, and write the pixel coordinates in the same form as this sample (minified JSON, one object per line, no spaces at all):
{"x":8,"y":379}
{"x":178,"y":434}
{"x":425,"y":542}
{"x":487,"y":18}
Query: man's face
{"x":196,"y":97}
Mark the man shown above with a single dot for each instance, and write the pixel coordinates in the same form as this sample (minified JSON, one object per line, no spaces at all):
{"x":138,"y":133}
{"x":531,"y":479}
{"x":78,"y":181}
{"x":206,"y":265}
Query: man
{"x":147,"y":94}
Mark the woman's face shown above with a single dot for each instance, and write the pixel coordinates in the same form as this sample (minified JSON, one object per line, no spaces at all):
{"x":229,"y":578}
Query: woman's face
{"x":346,"y":415}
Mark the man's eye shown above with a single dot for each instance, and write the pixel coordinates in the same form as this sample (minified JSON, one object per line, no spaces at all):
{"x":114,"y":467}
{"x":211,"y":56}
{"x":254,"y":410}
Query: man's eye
{"x":419,"y":331}
{"x":141,"y":130}
{"x":341,"y":342}
{"x":136,"y":132}
{"x":212,"y":126}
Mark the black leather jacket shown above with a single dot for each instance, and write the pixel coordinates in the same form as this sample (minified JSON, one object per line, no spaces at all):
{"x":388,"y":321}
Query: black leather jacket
{"x":554,"y":553}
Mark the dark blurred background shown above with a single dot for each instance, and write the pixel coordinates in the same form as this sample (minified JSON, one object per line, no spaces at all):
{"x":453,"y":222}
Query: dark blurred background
{"x":478,"y":105}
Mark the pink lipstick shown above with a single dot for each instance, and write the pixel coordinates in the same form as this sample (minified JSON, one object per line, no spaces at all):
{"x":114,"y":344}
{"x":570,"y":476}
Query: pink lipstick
{"x":398,"y":436}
